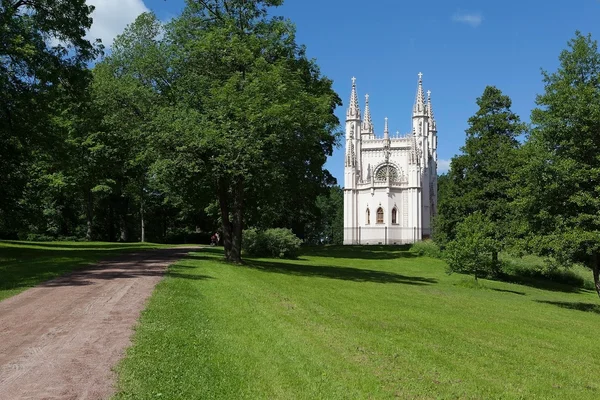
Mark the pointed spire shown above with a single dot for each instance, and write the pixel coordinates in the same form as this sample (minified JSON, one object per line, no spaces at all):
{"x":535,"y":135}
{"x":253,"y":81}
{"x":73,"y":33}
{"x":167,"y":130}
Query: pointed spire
{"x":367,"y":122}
{"x":432,"y":125}
{"x":353,"y":110}
{"x":419,"y":108}
{"x":386,"y":132}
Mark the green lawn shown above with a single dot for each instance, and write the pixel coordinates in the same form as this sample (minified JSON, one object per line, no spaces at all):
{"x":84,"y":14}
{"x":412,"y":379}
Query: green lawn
{"x":358,"y":323}
{"x":25,"y":264}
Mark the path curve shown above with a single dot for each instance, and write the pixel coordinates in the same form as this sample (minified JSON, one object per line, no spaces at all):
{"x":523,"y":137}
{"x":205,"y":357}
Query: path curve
{"x":60,"y":339}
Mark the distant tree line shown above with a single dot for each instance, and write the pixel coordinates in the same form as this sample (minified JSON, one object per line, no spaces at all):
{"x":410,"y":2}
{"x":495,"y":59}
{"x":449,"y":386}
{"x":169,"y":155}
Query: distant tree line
{"x":214,"y":121}
{"x":529,"y":189}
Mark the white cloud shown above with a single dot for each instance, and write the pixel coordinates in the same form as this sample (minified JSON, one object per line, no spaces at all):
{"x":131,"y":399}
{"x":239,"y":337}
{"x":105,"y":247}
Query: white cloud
{"x":443,"y":166}
{"x":473,"y":19}
{"x":111,"y":17}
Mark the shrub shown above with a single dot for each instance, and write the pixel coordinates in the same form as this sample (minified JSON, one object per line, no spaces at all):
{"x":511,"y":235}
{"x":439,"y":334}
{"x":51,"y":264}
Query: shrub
{"x":39,"y":237}
{"x":427,"y":248}
{"x":472,"y":250}
{"x":277,"y":243}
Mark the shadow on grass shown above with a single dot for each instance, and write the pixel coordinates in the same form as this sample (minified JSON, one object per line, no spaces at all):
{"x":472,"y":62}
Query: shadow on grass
{"x":587,"y":307}
{"x":342,"y":273}
{"x":77,"y":245}
{"x":22,"y":268}
{"x":509,"y":291}
{"x":361,"y":252}
{"x":540,"y":283}
{"x":194,"y":277}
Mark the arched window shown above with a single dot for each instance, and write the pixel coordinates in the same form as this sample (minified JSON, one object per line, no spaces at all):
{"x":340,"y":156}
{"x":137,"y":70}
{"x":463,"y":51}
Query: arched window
{"x":368,"y":216}
{"x":380,"y":215}
{"x":394,"y":216}
{"x":382,"y":173}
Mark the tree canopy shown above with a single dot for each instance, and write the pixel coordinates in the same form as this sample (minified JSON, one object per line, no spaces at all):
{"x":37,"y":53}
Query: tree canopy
{"x":560,"y":191}
{"x":480,"y":178}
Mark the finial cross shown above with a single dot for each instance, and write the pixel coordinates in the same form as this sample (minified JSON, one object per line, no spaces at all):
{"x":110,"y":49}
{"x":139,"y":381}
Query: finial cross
{"x":353,"y":80}
{"x":429,"y":93}
{"x":420,"y":75}
{"x":367,"y":97}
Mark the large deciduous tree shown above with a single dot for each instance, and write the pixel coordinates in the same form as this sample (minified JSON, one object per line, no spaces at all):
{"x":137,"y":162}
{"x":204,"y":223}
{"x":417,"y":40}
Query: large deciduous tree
{"x":479,"y":179}
{"x":560,"y":199}
{"x":43,"y":53}
{"x":253,"y":121}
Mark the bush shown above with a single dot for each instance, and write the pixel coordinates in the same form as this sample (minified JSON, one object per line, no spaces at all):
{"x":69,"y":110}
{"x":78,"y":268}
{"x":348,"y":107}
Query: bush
{"x":39,"y":237}
{"x":276,"y":243}
{"x":472,"y":250}
{"x":427,"y":248}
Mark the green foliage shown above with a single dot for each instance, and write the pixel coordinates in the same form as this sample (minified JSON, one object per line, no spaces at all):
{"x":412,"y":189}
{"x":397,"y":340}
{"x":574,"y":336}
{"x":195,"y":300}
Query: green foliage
{"x":472,"y":251}
{"x":480,"y":178}
{"x":328,"y":226}
{"x":250,"y":117}
{"x":276,"y":243}
{"x":427,"y":248}
{"x":220,"y":106}
{"x":40,"y":76}
{"x":543,"y":272}
{"x":359,"y":322}
{"x":560,"y":196}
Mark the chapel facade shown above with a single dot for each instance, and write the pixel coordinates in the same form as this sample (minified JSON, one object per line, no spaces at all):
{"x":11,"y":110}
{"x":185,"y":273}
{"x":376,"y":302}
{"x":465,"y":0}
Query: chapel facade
{"x":390,"y":182}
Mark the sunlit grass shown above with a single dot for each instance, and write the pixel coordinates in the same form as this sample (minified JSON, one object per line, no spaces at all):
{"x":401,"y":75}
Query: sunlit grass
{"x":357,"y":323}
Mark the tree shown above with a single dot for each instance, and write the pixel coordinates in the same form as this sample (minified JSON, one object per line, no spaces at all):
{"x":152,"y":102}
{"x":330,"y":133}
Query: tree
{"x":128,"y":87}
{"x":560,"y":198}
{"x":254,"y":121}
{"x":473,"y":247}
{"x":331,"y":206}
{"x":43,"y":53}
{"x":479,"y":179}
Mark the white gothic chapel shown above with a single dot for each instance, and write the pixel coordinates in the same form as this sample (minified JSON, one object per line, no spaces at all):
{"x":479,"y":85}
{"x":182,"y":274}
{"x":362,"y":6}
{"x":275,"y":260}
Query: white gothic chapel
{"x":390,"y":183}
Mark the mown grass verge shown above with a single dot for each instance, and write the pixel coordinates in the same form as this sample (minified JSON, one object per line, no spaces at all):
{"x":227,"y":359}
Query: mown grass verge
{"x":357,"y":323}
{"x":26,"y":264}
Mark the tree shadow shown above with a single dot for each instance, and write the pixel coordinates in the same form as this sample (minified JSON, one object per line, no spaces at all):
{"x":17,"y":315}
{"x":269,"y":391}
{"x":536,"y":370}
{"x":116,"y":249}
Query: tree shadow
{"x":375,"y":252}
{"x":509,"y":291}
{"x":84,"y":246}
{"x":25,"y":268}
{"x":539,"y":283}
{"x":204,"y":257}
{"x":342,"y":273}
{"x":580,"y":306}
{"x":194,"y":277}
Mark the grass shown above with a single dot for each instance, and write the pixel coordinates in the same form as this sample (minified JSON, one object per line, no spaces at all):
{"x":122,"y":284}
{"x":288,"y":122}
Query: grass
{"x":26,"y":264}
{"x":357,"y":323}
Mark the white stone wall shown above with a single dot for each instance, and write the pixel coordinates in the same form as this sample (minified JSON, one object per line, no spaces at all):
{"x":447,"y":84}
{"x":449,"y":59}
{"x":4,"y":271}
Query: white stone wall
{"x":413,"y":193}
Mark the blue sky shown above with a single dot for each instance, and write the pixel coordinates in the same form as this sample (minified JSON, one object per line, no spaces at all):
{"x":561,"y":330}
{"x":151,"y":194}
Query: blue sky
{"x":460,"y":46}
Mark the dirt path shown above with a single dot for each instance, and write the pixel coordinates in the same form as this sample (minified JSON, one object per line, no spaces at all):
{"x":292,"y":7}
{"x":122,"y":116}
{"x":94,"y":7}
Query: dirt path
{"x":60,"y":340}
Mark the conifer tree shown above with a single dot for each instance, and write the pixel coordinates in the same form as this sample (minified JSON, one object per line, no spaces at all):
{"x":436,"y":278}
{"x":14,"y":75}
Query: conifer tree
{"x":479,"y":179}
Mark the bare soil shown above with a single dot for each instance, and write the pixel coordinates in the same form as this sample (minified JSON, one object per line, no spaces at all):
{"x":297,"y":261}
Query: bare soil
{"x":61,"y":339}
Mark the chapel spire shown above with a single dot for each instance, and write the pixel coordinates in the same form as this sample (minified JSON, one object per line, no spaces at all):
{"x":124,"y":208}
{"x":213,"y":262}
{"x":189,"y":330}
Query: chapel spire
{"x":432,"y":124}
{"x":353,"y":110}
{"x":367,"y":121}
{"x":419,"y":107}
{"x":386,"y":132}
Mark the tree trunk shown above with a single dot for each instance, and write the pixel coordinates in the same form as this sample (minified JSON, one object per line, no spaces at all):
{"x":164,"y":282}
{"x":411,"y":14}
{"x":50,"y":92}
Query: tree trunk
{"x":238,"y":221}
{"x":232,"y":228}
{"x":111,"y":225}
{"x":596,"y":272}
{"x":123,"y":229}
{"x":89,"y":215}
{"x":143,"y":222}
{"x":224,"y":206}
{"x":495,"y":264}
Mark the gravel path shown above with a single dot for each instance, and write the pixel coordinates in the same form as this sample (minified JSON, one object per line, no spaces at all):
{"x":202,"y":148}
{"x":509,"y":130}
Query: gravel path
{"x":60,"y":339}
